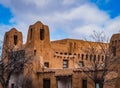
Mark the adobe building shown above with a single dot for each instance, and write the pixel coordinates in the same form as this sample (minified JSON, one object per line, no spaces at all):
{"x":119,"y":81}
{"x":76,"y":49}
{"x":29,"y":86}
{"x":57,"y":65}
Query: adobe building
{"x":56,"y":64}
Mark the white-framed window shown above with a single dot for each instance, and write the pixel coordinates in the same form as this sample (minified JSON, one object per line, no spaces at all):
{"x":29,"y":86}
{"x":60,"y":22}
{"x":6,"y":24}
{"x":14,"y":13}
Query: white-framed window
{"x":65,"y":63}
{"x":81,"y":64}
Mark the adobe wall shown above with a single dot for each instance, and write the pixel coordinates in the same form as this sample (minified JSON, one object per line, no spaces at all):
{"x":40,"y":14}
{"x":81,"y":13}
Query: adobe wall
{"x":115,"y":49}
{"x":39,"y":48}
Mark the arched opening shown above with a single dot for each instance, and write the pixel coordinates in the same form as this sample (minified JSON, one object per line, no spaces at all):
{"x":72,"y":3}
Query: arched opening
{"x":82,"y":56}
{"x":15,"y":39}
{"x":98,"y":57}
{"x":86,"y":56}
{"x":41,"y":34}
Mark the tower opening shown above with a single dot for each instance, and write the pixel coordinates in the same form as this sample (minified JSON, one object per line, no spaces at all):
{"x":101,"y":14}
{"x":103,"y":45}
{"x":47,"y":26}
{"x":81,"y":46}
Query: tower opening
{"x":15,"y":39}
{"x":41,"y":34}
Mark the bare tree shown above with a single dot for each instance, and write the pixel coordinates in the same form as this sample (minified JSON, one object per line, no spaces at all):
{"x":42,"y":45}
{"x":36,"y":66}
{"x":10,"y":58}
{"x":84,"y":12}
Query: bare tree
{"x":101,"y":59}
{"x":12,"y":62}
{"x":15,"y":64}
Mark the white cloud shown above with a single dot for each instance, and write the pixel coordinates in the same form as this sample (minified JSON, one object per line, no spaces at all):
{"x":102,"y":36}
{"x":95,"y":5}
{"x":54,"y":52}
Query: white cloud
{"x":74,"y":17}
{"x":68,"y":2}
{"x":38,"y":3}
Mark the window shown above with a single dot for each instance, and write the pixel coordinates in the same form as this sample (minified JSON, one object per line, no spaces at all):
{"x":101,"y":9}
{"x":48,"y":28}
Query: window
{"x":74,"y":53}
{"x":46,"y":64}
{"x":86,"y":56}
{"x":31,"y":33}
{"x":102,"y":58}
{"x":46,"y":83}
{"x":15,"y":39}
{"x":98,"y":57}
{"x":61,"y":53}
{"x":81,"y":64}
{"x":82,"y":56}
{"x":84,"y":83}
{"x":12,"y":85}
{"x":78,"y":55}
{"x":34,"y":52}
{"x":114,"y":51}
{"x":65,"y":63}
{"x":41,"y":34}
{"x":65,"y":53}
{"x":97,"y":85}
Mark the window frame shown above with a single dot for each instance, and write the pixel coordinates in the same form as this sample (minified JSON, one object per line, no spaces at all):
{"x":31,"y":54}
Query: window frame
{"x":81,"y":64}
{"x":65,"y":63}
{"x":46,"y":64}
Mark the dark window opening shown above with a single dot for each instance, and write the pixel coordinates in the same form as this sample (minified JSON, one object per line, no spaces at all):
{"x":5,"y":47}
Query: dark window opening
{"x":65,"y":53}
{"x":61,"y":53}
{"x":84,"y":83}
{"x":46,"y":83}
{"x":102,"y":58}
{"x":86,"y":56}
{"x":82,"y":56}
{"x":31,"y":34}
{"x":12,"y":85}
{"x":34,"y":52}
{"x":15,"y":39}
{"x":70,"y":54}
{"x":41,"y":34}
{"x":98,"y":57}
{"x":78,"y":55}
{"x":74,"y":53}
{"x":65,"y":63}
{"x":46,"y":64}
{"x":114,"y":51}
{"x":81,"y":64}
{"x":56,"y":52}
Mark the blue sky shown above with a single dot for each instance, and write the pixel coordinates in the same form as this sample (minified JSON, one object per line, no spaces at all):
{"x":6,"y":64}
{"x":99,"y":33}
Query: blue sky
{"x":65,"y":18}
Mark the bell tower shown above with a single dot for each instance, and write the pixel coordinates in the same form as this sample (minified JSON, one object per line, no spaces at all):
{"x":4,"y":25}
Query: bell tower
{"x":38,"y":37}
{"x":12,"y":40}
{"x":38,"y":42}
